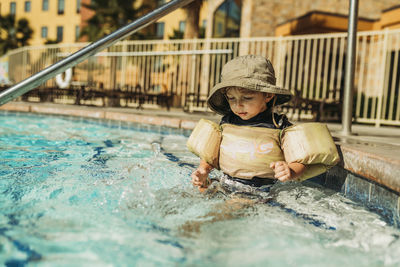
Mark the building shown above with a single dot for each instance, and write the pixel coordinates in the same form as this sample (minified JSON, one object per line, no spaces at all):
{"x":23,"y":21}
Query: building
{"x":256,"y":18}
{"x":62,"y":20}
{"x":51,"y":20}
{"x":323,"y":22}
{"x":264,"y":16}
{"x":175,"y":22}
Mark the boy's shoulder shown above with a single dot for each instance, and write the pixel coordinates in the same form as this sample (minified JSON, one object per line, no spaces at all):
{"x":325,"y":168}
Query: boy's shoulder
{"x":282,"y":120}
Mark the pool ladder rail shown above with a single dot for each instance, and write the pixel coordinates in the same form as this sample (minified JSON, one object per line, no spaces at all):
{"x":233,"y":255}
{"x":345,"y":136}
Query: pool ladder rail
{"x":88,"y":51}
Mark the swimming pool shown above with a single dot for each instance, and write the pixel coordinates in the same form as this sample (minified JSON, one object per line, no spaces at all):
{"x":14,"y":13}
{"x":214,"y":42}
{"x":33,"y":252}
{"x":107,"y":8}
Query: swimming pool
{"x":91,"y":192}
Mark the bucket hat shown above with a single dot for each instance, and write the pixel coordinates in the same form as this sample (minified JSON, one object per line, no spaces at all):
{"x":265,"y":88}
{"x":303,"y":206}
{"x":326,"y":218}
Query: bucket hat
{"x":251,"y":72}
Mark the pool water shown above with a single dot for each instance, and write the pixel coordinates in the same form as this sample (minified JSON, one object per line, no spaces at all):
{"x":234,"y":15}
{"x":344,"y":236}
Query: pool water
{"x":85,"y":192}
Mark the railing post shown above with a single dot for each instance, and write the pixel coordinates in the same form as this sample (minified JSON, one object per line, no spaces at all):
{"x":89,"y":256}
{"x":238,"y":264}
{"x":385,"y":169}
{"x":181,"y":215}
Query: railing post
{"x":382,"y":78}
{"x":280,"y":63}
{"x":193,"y":72}
{"x":123,"y":64}
{"x":350,"y":68}
{"x":24,"y":62}
{"x":205,"y":70}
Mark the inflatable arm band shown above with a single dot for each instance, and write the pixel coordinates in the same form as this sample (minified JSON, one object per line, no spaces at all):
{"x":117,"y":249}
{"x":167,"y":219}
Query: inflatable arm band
{"x":310,"y":144}
{"x":205,"y":140}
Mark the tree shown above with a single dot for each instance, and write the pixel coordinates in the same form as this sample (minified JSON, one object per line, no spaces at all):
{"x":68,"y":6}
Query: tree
{"x":13,"y":34}
{"x":110,"y":15}
{"x":177,"y":34}
{"x":192,"y":10}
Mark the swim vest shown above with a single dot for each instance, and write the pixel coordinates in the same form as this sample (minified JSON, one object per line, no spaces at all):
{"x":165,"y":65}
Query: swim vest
{"x":246,"y":151}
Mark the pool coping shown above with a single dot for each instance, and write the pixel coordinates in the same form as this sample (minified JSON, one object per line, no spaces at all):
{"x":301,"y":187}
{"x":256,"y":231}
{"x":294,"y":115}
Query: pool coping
{"x":367,"y":174}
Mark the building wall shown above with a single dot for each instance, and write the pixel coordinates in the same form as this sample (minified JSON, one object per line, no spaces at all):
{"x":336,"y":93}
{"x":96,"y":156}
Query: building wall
{"x":390,"y":19}
{"x":259,"y":17}
{"x":265,"y":15}
{"x":51,"y":19}
{"x":173,"y":19}
{"x":320,"y":22}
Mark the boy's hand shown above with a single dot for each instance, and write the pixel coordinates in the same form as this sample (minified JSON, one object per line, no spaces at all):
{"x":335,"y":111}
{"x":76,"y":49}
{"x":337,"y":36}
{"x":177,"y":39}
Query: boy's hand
{"x":200,"y":175}
{"x":287,"y":171}
{"x":282,"y":171}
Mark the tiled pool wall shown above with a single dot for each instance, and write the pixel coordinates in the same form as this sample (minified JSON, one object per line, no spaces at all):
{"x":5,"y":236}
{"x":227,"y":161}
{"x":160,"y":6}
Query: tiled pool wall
{"x":376,"y":197}
{"x":380,"y":196}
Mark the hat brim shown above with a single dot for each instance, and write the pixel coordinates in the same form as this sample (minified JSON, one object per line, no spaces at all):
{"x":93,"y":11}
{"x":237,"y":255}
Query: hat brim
{"x":218,"y":103}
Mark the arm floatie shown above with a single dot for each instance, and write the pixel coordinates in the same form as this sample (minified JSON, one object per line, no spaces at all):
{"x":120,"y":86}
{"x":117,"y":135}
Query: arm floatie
{"x":205,"y":140}
{"x":312,"y":145}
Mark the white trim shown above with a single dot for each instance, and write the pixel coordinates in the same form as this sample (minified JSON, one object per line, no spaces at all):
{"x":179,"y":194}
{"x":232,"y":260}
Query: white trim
{"x":156,"y":53}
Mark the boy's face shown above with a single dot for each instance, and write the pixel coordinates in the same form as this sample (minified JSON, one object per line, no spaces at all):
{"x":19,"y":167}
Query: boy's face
{"x":246,"y":103}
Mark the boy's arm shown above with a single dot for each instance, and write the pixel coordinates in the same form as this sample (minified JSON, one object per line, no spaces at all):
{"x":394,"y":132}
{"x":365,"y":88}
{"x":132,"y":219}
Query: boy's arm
{"x":287,"y":171}
{"x":297,"y":169}
{"x":200,"y":175}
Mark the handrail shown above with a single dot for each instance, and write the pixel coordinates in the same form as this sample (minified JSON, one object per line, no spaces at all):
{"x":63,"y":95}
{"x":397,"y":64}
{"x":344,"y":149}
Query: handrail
{"x":88,"y":51}
{"x":347,"y":109}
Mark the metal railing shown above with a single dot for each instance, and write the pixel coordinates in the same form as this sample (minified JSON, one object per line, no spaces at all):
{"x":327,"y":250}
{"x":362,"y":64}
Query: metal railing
{"x":311,"y":66}
{"x":86,"y":52}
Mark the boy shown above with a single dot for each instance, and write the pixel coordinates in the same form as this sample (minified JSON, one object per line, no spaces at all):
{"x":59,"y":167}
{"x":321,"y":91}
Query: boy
{"x":251,"y":150}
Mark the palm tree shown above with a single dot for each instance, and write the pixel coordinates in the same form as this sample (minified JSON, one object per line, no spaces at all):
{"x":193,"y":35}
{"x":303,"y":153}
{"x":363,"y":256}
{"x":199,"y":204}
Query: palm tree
{"x":192,"y":29}
{"x":13,"y":34}
{"x":110,"y":15}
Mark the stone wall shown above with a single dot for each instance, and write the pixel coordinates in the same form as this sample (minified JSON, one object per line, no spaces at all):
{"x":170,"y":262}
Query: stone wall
{"x":265,"y":15}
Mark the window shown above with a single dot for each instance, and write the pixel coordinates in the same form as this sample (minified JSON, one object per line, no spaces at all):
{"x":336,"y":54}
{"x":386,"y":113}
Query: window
{"x":77,"y":32}
{"x":227,"y":19}
{"x":43,"y":32}
{"x":78,"y":6}
{"x":160,"y":2}
{"x":45,"y":5}
{"x":182,"y":25}
{"x":219,"y":28}
{"x":27,"y":6}
{"x":204,"y":23}
{"x":13,"y":8}
{"x":60,"y":32}
{"x":160,"y":30}
{"x":60,"y":7}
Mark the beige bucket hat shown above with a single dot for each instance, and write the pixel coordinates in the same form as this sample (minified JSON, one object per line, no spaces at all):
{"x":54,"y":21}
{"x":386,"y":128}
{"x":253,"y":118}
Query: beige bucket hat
{"x":251,"y":72}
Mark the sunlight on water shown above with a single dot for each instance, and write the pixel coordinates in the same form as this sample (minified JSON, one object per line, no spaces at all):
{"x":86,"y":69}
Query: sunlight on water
{"x":80,"y":193}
